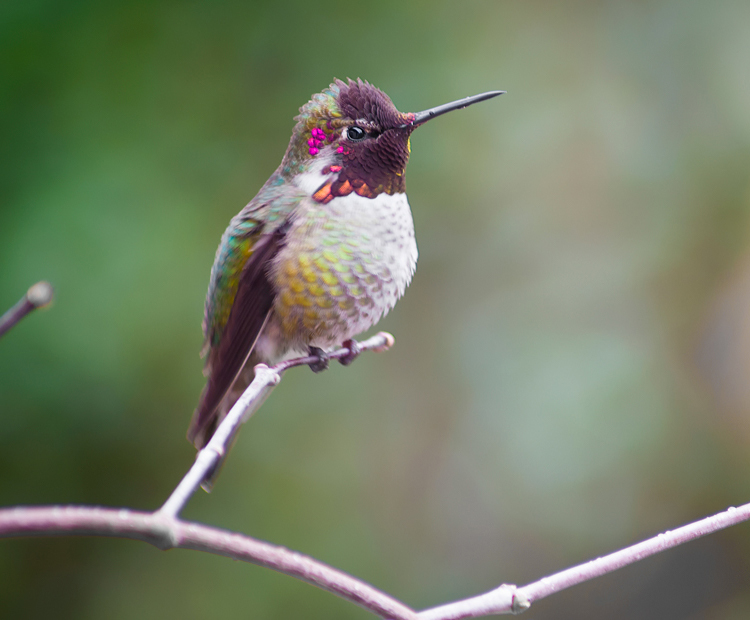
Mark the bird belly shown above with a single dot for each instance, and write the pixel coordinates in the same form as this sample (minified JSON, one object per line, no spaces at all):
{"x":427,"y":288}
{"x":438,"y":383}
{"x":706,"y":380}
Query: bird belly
{"x":344,"y":266}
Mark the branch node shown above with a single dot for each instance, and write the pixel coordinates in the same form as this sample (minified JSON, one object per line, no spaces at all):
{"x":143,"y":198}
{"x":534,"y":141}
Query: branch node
{"x":163,"y":534}
{"x":270,"y":376}
{"x":40,"y":294}
{"x":520,"y":601}
{"x":388,"y":339}
{"x":218,"y":450}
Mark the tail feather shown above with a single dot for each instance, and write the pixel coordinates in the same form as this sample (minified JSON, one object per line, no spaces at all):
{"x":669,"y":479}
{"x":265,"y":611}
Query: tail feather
{"x":212,"y":409}
{"x":201,"y":435}
{"x":248,"y":316}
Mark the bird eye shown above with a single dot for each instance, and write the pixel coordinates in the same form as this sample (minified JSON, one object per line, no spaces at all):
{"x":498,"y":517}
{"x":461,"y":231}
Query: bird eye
{"x":355,"y":134}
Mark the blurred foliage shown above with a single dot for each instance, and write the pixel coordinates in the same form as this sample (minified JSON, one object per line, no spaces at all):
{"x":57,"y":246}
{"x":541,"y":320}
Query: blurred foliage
{"x":572,"y":359}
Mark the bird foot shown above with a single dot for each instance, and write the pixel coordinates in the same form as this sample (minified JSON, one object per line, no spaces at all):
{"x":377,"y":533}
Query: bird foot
{"x":354,"y":351}
{"x":322,"y":363}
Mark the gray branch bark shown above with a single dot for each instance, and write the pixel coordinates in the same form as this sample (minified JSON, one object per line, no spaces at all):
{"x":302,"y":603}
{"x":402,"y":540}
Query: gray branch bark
{"x":165,"y":530}
{"x":38,"y":296}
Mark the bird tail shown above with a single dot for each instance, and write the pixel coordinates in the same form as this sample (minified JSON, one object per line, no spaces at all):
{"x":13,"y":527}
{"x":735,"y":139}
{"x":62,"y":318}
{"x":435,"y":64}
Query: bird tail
{"x":223,"y":388}
{"x":205,"y":422}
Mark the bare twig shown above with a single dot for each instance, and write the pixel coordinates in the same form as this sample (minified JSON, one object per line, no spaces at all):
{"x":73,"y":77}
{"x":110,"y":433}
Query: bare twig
{"x":252,"y":398}
{"x":39,"y":295}
{"x":510,"y":599}
{"x":165,"y":530}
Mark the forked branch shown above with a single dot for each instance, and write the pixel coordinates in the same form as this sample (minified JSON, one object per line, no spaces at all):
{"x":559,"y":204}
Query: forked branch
{"x":252,"y":398}
{"x":164,"y":529}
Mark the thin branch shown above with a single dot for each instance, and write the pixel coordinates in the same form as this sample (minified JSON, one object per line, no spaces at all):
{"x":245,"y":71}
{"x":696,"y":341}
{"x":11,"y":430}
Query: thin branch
{"x":39,"y":295}
{"x":210,"y":457}
{"x":510,"y":599}
{"x":164,"y":530}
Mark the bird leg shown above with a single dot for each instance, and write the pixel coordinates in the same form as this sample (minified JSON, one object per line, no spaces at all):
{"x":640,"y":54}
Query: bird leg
{"x":354,"y":351}
{"x":322,"y":363}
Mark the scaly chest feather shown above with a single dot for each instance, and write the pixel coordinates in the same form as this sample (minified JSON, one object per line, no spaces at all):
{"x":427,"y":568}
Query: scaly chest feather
{"x":344,"y":265}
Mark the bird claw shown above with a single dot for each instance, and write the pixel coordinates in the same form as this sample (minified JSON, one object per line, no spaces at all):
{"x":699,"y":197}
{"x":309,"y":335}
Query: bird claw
{"x":322,"y":363}
{"x":354,"y":351}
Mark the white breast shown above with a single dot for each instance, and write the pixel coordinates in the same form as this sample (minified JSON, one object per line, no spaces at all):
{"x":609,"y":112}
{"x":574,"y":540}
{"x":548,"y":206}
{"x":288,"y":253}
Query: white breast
{"x":344,"y":265}
{"x":389,"y":224}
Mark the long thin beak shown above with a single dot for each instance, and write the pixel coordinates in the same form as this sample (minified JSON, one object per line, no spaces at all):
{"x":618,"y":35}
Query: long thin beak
{"x":426,"y":115}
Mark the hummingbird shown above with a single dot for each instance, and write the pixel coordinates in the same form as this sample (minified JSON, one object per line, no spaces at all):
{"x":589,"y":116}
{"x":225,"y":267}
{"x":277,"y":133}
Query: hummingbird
{"x":323,"y":251}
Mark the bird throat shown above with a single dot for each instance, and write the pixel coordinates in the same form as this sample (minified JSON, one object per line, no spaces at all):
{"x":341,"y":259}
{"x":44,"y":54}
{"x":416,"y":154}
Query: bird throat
{"x":339,"y":180}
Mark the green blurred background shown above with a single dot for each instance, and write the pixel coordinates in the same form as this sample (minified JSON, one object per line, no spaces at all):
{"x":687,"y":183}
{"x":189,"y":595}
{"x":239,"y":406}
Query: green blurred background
{"x":572,"y":361}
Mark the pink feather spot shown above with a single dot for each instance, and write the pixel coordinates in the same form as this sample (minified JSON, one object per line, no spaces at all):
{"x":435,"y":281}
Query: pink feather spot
{"x":335,"y":168}
{"x":340,"y":149}
{"x":311,"y":142}
{"x":313,"y":150}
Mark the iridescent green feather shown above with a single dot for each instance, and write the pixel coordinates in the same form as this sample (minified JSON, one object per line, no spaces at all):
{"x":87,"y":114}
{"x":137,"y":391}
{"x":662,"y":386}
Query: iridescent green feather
{"x":270,"y":209}
{"x":234,"y":250}
{"x":317,"y":112}
{"x":322,"y":105}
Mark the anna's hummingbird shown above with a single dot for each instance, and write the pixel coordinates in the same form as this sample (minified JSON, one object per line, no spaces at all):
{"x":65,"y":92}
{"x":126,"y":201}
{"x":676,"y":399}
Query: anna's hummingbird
{"x":323,"y":251}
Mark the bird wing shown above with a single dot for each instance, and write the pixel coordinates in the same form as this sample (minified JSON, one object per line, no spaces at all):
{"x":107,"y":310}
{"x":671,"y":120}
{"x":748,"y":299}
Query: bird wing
{"x":239,"y":299}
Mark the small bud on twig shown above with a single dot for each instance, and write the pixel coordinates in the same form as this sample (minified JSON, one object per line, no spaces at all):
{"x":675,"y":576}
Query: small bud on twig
{"x":38,"y":296}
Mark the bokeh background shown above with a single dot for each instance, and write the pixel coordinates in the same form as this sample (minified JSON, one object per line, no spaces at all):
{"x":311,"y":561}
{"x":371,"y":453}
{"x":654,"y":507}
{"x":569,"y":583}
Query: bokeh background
{"x":572,"y":366}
